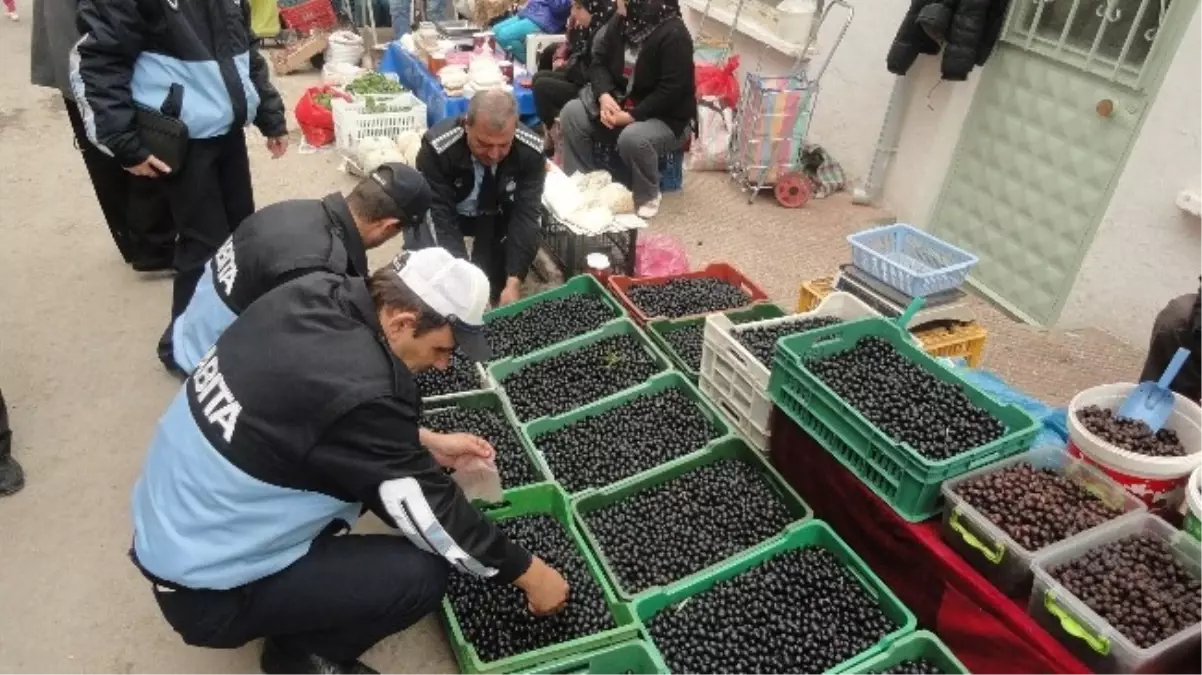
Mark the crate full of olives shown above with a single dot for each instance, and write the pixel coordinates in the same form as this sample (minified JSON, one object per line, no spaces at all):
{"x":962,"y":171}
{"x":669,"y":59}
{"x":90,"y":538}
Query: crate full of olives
{"x":803,"y":603}
{"x":489,"y":626}
{"x":998,"y":517}
{"x":1125,"y":598}
{"x":892,"y":414}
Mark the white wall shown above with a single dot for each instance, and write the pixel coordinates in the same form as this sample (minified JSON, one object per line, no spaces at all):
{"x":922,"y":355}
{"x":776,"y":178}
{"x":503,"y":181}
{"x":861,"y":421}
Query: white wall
{"x":1146,"y":250}
{"x":854,"y":90}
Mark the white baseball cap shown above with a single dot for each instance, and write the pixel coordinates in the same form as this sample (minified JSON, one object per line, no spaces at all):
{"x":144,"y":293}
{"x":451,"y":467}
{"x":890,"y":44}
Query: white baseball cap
{"x":454,"y":288}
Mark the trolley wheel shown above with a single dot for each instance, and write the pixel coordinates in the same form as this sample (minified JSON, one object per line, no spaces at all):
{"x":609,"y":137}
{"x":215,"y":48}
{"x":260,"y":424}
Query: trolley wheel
{"x":793,"y":190}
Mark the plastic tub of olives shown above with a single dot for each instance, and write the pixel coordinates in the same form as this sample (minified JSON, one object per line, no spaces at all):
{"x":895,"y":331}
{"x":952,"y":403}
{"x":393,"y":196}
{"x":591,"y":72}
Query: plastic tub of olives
{"x":998,"y":556}
{"x":1092,"y":638}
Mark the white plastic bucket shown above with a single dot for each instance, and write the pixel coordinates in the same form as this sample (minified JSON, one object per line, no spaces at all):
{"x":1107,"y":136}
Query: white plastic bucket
{"x":1193,"y":503}
{"x":1159,"y":481}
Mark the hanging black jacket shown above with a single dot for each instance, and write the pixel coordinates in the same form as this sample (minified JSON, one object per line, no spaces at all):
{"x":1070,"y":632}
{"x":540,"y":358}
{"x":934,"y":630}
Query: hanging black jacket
{"x":967,"y":29}
{"x":664,"y":84}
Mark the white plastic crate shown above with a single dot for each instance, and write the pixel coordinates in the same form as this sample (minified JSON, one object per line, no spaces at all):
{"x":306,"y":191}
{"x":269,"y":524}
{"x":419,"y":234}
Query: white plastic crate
{"x":352,"y":124}
{"x":1091,"y":637}
{"x":731,"y":402}
{"x":735,"y":372}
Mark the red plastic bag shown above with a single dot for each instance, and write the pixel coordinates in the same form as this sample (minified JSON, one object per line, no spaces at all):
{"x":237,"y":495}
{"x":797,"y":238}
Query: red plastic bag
{"x":317,"y":121}
{"x":719,"y":81}
{"x":658,"y":255}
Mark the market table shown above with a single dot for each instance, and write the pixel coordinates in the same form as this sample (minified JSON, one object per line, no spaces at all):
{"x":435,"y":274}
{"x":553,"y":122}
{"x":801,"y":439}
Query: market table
{"x":413,"y":74}
{"x":988,"y":631}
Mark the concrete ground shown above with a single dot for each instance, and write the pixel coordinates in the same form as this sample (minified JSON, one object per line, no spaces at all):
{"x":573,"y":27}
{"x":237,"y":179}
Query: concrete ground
{"x":77,"y":366}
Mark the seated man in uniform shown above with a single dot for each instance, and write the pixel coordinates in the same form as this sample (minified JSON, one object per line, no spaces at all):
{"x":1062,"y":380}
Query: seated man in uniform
{"x":302,"y":415}
{"x":1178,"y":325}
{"x":486,"y":171}
{"x":288,"y":240}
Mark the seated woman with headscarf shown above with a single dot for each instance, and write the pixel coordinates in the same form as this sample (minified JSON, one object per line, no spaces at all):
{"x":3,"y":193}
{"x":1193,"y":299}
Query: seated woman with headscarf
{"x":560,"y":81}
{"x":641,"y":95}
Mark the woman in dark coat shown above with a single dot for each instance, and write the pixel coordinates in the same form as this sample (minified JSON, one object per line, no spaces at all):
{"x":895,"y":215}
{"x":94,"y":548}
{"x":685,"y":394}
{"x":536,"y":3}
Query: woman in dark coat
{"x":559,"y":83}
{"x":641,"y":94}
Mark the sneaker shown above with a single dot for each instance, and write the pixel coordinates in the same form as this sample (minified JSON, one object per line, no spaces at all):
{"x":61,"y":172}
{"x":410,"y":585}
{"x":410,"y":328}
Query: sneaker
{"x":651,"y":208}
{"x":13,"y":16}
{"x":12,"y":478}
{"x":277,"y":659}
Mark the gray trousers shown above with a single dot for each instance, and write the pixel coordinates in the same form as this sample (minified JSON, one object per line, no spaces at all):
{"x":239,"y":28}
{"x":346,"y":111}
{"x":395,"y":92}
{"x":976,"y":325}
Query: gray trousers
{"x":1174,"y":328}
{"x":640,"y":146}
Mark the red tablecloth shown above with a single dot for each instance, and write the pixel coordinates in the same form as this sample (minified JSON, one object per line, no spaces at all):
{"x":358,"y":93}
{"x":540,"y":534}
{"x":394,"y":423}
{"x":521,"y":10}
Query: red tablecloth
{"x":988,"y":631}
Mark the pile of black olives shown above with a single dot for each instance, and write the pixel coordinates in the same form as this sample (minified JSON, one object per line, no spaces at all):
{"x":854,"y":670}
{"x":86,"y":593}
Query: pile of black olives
{"x":621,"y":442}
{"x":906,"y":402}
{"x":685,"y":296}
{"x":1129,"y":434}
{"x":913,"y":667}
{"x":462,"y":375}
{"x":663,"y":534}
{"x":575,"y":378}
{"x":1138,"y":586}
{"x":546,"y":323}
{"x":495,"y":618}
{"x":798,"y":612}
{"x":761,"y":341}
{"x":1036,"y":507}
{"x":513,"y":464}
{"x":688,"y":341}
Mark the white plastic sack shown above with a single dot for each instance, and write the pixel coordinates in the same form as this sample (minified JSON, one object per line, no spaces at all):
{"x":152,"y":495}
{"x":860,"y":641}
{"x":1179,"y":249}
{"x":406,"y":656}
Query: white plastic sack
{"x":714,"y":124}
{"x":408,"y":144}
{"x":344,"y":47}
{"x":374,"y":151}
{"x":616,"y":198}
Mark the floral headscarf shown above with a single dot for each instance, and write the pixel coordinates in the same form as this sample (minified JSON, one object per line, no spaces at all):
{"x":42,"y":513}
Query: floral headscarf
{"x":600,"y":11}
{"x":644,"y":16}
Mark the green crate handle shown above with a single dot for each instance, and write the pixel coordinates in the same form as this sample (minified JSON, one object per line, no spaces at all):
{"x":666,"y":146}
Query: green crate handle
{"x":911,"y":309}
{"x":993,"y":554}
{"x":1098,"y":643}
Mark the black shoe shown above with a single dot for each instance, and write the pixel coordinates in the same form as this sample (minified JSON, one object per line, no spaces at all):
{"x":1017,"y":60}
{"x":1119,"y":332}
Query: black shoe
{"x":12,"y":478}
{"x":161,"y":262}
{"x":277,"y":659}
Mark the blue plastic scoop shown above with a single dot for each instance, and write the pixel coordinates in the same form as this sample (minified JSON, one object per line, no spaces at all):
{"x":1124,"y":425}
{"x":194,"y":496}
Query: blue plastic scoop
{"x":1152,"y":402}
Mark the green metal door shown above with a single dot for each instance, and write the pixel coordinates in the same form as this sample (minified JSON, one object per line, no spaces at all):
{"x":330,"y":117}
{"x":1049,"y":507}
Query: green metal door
{"x":1049,"y":129}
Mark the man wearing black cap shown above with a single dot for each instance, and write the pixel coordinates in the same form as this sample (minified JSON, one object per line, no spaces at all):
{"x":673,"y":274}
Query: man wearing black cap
{"x":288,"y":240}
{"x":304,"y":413}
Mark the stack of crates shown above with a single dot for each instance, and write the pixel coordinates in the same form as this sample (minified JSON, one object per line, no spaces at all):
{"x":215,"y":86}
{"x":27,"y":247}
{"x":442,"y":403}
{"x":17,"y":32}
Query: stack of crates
{"x":628,"y":646}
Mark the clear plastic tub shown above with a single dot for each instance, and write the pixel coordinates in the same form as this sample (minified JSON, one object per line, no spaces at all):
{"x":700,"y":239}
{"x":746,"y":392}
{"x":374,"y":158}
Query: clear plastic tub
{"x":992,"y":552}
{"x":1090,"y":637}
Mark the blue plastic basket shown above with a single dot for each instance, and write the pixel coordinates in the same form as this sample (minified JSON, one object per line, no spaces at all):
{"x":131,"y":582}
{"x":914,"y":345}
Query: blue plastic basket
{"x":910,"y":260}
{"x":671,"y":166}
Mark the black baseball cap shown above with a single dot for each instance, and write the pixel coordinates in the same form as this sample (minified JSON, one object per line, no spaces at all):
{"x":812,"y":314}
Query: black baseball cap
{"x":408,"y":189}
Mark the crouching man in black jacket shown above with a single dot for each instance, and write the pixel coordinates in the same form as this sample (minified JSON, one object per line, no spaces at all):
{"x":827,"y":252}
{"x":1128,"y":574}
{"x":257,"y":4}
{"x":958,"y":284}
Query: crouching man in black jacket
{"x":486,"y":171}
{"x":1178,"y":325}
{"x":304,"y":413}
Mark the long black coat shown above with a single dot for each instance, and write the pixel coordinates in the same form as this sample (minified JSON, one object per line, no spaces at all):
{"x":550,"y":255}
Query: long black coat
{"x":967,"y":29}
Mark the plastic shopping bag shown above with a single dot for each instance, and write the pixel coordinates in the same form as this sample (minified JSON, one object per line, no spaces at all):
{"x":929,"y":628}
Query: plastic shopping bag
{"x":478,"y":478}
{"x":718,"y":81}
{"x":658,"y":255}
{"x":714,"y":124}
{"x":314,"y":115}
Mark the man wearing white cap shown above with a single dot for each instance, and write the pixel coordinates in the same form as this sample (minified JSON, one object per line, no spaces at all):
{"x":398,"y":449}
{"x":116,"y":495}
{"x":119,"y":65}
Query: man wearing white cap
{"x":304,"y":414}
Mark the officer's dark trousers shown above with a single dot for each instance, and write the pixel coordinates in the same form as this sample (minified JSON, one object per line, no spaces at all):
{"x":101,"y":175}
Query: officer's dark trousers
{"x":488,"y":246}
{"x":1174,"y":328}
{"x":135,"y":209}
{"x":346,"y":594}
{"x":209,"y":197}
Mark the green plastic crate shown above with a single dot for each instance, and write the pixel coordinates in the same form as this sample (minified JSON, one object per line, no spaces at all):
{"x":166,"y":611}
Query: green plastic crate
{"x":544,"y":498}
{"x":581,"y":284}
{"x":489,"y":400}
{"x":730,"y":448}
{"x":500,"y":370}
{"x":635,"y":657}
{"x":904,"y":479}
{"x":659,"y":328}
{"x":810,"y":533}
{"x":918,"y":645}
{"x":658,"y":383}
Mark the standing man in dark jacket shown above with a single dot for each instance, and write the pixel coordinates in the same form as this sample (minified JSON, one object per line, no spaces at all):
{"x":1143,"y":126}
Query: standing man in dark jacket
{"x":643,"y":95}
{"x":197,"y":57}
{"x":487,"y":171}
{"x":1178,"y":325}
{"x":304,"y":413}
{"x":291,"y":239}
{"x":134,"y":208}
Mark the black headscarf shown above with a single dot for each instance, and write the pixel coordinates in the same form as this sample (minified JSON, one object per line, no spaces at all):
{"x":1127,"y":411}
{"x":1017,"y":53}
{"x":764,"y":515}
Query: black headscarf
{"x":600,"y":11}
{"x":644,"y":16}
